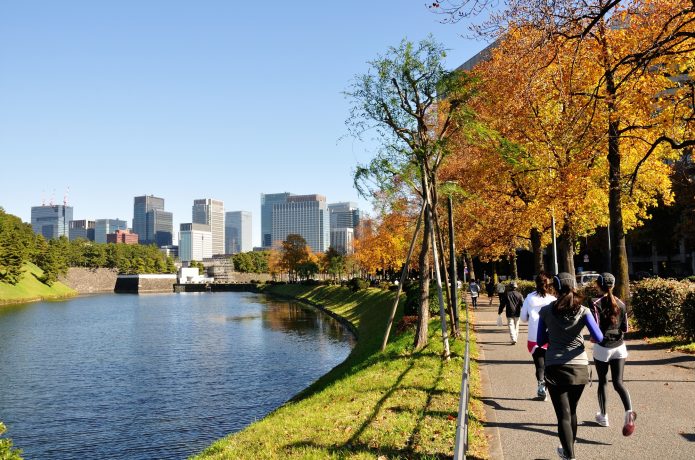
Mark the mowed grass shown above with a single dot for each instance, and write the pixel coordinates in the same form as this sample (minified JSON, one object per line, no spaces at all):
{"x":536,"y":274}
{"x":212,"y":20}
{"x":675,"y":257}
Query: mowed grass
{"x":30,"y":288}
{"x":674,"y":343}
{"x":390,"y":405}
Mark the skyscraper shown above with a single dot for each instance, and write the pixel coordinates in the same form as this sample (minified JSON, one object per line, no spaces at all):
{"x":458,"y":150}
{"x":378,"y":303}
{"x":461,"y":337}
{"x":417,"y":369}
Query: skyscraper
{"x":267,"y":203}
{"x":103,"y":227}
{"x":151,"y":222}
{"x":52,"y":221}
{"x":345,"y":219}
{"x":305,"y":215}
{"x":82,"y":229}
{"x":195,"y":242}
{"x":211,"y":212}
{"x":237,"y":232}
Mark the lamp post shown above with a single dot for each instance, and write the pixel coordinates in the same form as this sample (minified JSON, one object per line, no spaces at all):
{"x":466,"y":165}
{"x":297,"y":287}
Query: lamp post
{"x":552,"y":221}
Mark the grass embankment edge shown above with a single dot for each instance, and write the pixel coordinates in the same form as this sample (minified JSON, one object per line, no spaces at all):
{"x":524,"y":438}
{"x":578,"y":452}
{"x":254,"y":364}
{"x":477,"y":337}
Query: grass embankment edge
{"x":374,"y":405}
{"x":31,"y":289}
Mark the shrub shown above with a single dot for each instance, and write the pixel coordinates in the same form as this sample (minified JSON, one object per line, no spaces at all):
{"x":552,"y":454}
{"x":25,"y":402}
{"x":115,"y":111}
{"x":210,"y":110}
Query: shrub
{"x":525,"y":287}
{"x":656,"y":304}
{"x":688,"y":310}
{"x":358,"y":284}
{"x":385,"y":285}
{"x":412,"y":298}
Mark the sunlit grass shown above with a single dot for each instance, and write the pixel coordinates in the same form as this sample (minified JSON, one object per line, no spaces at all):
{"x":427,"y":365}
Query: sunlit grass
{"x":674,"y":343}
{"x":396,"y":404}
{"x":30,"y":288}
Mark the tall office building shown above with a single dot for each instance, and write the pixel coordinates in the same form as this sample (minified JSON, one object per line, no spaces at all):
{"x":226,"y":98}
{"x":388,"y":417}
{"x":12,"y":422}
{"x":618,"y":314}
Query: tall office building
{"x":195,"y":242}
{"x":211,"y":212}
{"x":237,"y":232}
{"x":52,"y":221}
{"x":82,"y":229}
{"x":342,"y":240}
{"x":151,"y":222}
{"x":305,"y":215}
{"x":344,"y":215}
{"x":103,"y":227}
{"x":345,"y":219}
{"x":267,"y":202}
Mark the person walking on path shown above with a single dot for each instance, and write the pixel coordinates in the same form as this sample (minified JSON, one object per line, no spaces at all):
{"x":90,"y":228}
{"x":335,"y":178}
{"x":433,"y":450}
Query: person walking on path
{"x":500,"y":288}
{"x":611,"y":315}
{"x":490,"y":288}
{"x":529,"y":313}
{"x":474,"y":289}
{"x":512,"y":302}
{"x":560,"y":325}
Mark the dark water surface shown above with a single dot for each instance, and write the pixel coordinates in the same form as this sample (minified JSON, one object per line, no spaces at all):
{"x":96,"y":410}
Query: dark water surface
{"x":154,"y":376}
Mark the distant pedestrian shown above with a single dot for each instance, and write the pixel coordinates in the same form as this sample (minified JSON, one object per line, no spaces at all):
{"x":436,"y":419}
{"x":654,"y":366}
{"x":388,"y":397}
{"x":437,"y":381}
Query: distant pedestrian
{"x":611,"y":316}
{"x":490,"y":288}
{"x":500,"y":288}
{"x":512,"y":302}
{"x":529,"y":313}
{"x":560,"y":325}
{"x":474,"y":289}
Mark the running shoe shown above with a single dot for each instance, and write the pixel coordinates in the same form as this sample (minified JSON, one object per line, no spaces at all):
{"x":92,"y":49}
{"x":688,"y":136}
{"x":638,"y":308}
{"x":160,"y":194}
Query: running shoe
{"x":561,"y":454}
{"x":629,"y":427}
{"x":541,"y":392}
{"x":602,"y":419}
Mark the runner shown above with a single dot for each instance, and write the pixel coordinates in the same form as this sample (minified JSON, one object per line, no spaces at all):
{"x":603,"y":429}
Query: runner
{"x":611,"y":316}
{"x":511,"y":304}
{"x":474,"y":289}
{"x":560,"y":325}
{"x":529,"y":313}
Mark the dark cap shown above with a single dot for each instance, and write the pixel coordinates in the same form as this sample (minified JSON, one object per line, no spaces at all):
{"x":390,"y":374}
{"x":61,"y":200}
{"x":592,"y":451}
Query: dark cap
{"x":564,"y":280}
{"x":606,"y":279}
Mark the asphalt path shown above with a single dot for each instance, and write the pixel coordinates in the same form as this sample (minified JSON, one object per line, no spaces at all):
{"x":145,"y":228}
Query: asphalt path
{"x":519,"y":426}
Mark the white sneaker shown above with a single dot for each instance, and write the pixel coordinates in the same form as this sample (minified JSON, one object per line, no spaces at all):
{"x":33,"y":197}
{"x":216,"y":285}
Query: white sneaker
{"x":541,"y":392}
{"x":602,"y":419}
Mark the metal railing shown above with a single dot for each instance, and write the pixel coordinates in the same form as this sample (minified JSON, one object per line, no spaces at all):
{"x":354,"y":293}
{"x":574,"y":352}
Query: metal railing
{"x":461,"y":445}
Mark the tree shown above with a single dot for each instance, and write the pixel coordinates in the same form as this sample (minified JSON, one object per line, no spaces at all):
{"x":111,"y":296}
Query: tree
{"x":16,"y":247}
{"x":334,"y":263}
{"x":7,"y":452}
{"x":638,"y":50}
{"x":401,"y":99}
{"x":295,"y":254}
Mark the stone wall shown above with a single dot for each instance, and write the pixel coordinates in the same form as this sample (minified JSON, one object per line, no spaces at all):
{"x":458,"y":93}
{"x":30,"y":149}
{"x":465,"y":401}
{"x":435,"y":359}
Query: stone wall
{"x":237,"y":277}
{"x":145,"y":283}
{"x":90,"y":280}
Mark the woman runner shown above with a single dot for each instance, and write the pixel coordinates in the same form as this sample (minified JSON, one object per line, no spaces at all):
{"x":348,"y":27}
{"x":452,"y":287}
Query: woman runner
{"x":529,"y":313}
{"x":611,"y":316}
{"x":560,"y":325}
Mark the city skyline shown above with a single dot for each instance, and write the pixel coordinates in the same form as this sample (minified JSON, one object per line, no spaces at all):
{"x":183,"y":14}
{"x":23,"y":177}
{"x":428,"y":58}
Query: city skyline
{"x":113,"y":100}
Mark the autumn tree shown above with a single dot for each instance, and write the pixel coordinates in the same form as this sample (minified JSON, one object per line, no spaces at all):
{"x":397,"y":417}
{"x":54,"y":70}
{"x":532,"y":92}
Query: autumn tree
{"x":640,"y":53}
{"x":401,"y":100}
{"x":296,"y":257}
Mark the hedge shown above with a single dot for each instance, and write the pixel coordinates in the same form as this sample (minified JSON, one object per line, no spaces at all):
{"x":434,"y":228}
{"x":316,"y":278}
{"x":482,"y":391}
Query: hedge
{"x":658,"y":306}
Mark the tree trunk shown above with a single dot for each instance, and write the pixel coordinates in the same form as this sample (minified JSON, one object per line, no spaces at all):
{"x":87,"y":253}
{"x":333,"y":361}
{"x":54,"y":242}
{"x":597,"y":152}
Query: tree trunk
{"x":495,"y":278}
{"x":566,"y":252}
{"x":469,"y":262}
{"x":424,"y":307}
{"x":618,"y":249}
{"x":512,"y":263}
{"x":538,"y":265}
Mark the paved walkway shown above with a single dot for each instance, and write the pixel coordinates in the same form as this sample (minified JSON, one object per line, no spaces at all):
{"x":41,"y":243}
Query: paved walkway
{"x":661,"y":384}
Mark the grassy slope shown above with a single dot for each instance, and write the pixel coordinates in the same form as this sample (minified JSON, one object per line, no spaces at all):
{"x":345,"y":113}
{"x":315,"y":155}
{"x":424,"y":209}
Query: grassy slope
{"x":30,"y":288}
{"x":396,"y":404}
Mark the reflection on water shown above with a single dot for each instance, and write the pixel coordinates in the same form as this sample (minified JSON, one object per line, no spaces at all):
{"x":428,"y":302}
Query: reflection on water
{"x":154,"y":376}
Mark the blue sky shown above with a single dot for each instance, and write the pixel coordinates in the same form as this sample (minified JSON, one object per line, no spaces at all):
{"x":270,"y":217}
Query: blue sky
{"x":189,"y":99}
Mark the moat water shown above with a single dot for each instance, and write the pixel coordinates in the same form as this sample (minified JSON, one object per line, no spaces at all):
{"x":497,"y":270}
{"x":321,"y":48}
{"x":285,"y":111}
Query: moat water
{"x":154,"y":376}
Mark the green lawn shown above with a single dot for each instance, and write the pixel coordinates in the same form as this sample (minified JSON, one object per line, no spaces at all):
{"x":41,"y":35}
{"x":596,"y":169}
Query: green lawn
{"x":396,"y":404}
{"x":30,"y":288}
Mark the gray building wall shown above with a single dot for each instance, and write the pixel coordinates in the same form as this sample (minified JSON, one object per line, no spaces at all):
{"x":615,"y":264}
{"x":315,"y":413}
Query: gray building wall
{"x":305,"y":215}
{"x":211,"y":212}
{"x":103,"y":227}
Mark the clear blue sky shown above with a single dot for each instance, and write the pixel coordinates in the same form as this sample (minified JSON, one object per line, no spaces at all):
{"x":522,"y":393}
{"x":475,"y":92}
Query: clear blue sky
{"x":189,"y":99}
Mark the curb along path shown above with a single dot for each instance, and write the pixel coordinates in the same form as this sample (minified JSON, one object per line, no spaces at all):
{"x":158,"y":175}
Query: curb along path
{"x":661,"y":384}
